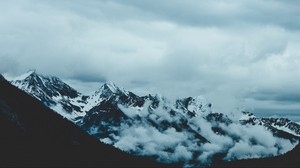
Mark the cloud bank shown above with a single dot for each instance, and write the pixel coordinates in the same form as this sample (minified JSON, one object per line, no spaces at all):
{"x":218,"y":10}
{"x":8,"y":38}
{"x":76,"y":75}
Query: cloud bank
{"x":161,"y":134}
{"x":243,"y":53}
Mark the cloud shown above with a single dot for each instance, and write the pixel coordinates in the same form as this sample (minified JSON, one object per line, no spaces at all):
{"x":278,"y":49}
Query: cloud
{"x":155,"y":133}
{"x":279,"y":96}
{"x":219,"y":13}
{"x":144,"y":140}
{"x":6,"y":64}
{"x":235,"y":53}
{"x":225,"y":51}
{"x":87,"y":77}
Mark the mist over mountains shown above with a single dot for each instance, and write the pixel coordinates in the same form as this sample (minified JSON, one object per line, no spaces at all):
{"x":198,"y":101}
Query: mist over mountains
{"x":186,"y":131}
{"x":193,"y":83}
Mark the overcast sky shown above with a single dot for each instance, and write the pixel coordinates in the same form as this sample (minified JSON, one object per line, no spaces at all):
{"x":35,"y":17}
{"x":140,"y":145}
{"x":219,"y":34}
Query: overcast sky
{"x":236,"y":53}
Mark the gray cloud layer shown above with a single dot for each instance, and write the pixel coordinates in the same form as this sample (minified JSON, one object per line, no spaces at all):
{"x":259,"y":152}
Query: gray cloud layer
{"x":236,"y":53}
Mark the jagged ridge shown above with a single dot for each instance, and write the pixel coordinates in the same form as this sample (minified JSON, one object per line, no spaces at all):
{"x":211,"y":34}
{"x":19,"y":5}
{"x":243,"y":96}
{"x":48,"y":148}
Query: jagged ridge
{"x":112,"y":114}
{"x":32,"y":135}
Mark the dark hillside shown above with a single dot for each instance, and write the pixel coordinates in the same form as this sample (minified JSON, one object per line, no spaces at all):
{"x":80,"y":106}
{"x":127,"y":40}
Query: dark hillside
{"x":33,"y":135}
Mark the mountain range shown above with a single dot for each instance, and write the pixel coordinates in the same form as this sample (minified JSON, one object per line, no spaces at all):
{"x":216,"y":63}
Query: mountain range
{"x":32,"y":135}
{"x":185,"y":132}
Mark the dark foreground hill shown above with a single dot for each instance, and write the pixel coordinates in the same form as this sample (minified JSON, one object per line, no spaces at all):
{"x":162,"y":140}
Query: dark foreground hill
{"x":33,"y":135}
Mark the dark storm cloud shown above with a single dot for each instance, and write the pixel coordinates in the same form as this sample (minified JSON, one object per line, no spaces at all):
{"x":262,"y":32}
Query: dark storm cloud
{"x":279,"y":112}
{"x":292,"y":114}
{"x":139,"y":82}
{"x":221,"y":49}
{"x":223,"y":13}
{"x":89,"y":77}
{"x":280,"y":96}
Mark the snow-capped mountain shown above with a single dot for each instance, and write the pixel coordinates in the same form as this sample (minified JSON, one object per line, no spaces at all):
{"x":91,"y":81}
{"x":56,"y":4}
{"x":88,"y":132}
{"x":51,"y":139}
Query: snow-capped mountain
{"x":193,"y":105}
{"x":53,"y":92}
{"x":282,"y":124}
{"x":32,"y":135}
{"x":185,"y":131}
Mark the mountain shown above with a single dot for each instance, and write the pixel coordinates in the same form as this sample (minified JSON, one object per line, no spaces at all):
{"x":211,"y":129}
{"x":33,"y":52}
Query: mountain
{"x":32,"y":135}
{"x":186,"y":131}
{"x":53,"y":92}
{"x":283,"y":124}
{"x":274,"y":124}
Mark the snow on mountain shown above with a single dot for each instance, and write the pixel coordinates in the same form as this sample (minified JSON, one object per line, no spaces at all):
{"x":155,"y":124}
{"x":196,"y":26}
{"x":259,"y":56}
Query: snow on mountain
{"x":185,"y":131}
{"x":282,"y":124}
{"x":194,"y":106}
{"x":24,"y":76}
{"x":52,"y":92}
{"x":197,"y":103}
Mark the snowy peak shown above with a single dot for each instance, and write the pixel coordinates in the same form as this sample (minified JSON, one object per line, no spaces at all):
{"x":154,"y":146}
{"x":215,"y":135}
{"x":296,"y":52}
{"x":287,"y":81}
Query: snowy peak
{"x":199,"y":104}
{"x":109,"y":89}
{"x":25,"y":80}
{"x":28,"y":81}
{"x":52,"y":92}
{"x":282,"y":124}
{"x":51,"y":86}
{"x":188,"y":125}
{"x":247,"y":115}
{"x":194,"y":105}
{"x":25,"y":75}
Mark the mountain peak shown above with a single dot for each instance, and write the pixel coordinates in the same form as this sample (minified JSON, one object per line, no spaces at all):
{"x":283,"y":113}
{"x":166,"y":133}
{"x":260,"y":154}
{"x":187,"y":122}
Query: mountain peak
{"x":31,"y":71}
{"x":25,"y":75}
{"x":111,"y":86}
{"x":50,"y":90}
{"x":196,"y":104}
{"x":113,"y":114}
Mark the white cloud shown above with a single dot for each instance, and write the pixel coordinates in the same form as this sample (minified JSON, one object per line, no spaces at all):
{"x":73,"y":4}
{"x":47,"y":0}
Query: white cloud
{"x":224,"y":51}
{"x":162,"y":140}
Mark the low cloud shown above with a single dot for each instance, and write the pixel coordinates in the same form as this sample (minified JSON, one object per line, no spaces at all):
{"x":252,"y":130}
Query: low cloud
{"x":154,"y":133}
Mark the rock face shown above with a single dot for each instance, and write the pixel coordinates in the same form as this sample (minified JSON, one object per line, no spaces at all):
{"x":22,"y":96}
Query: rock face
{"x":186,"y":131}
{"x":53,"y":92}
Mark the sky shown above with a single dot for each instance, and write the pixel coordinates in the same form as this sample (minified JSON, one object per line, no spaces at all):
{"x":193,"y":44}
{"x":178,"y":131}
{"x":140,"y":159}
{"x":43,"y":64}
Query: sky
{"x":238,"y":54}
